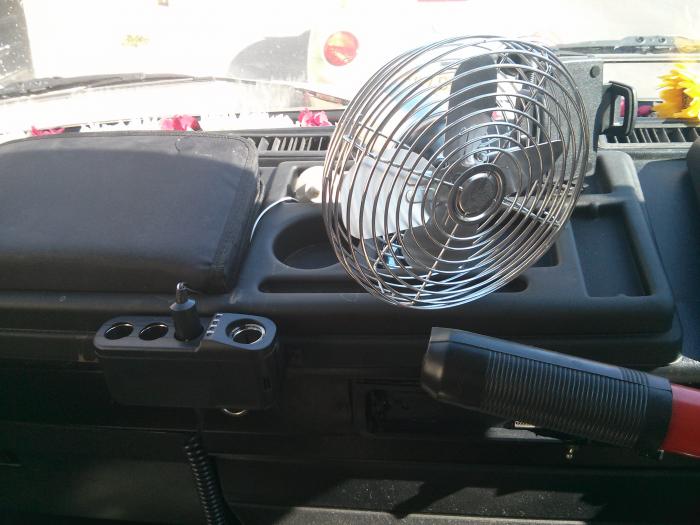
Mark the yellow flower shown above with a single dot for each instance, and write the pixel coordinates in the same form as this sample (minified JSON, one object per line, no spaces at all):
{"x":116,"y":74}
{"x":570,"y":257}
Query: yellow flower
{"x":680,"y":92}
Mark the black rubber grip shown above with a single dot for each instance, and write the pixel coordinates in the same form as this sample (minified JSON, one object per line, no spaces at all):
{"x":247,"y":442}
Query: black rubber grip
{"x":567,"y":394}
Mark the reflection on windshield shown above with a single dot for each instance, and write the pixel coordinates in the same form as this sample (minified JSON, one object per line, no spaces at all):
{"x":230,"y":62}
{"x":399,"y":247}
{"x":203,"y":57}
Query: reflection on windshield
{"x":334,"y":46}
{"x":329,"y":41}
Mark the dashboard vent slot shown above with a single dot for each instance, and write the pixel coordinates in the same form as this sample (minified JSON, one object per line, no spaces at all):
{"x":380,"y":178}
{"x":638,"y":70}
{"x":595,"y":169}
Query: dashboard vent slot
{"x":658,"y":135}
{"x":291,"y":142}
{"x":655,"y":136}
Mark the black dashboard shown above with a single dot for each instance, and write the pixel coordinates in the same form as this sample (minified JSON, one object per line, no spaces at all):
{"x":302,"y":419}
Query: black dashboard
{"x":353,"y":438}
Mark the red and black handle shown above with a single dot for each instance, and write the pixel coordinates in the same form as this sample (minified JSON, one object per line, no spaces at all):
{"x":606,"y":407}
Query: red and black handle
{"x":604,"y":403}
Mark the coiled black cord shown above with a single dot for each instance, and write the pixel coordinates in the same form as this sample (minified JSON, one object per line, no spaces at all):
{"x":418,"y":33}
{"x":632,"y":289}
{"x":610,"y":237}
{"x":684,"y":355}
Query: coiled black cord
{"x":216,"y":511}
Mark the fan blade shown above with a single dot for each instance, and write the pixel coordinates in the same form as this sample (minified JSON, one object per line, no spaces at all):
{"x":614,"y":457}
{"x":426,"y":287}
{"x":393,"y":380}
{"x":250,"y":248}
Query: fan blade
{"x":383,"y":185}
{"x":534,"y":211}
{"x":468,"y":107}
{"x":523,"y":166}
{"x":422,"y":246}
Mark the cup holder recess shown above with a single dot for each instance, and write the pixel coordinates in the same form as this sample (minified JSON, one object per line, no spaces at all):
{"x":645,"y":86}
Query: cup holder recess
{"x":119,"y":331}
{"x":245,"y":332}
{"x":153,"y":331}
{"x":305,"y":245}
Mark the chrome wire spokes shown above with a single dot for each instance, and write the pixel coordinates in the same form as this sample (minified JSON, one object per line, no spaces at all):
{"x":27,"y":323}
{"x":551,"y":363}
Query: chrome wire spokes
{"x":453,"y":169}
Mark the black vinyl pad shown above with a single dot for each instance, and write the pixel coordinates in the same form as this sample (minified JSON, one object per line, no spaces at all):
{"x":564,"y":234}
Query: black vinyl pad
{"x":126,"y":212}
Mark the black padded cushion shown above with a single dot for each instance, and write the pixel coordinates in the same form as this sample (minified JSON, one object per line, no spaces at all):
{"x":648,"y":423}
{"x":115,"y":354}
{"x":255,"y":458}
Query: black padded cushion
{"x":125,"y":212}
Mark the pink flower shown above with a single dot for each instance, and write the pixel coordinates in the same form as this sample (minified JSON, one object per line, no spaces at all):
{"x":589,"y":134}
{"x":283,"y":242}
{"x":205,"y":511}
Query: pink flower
{"x":39,"y":132}
{"x":180,"y":123}
{"x":644,"y":111}
{"x":310,"y":119}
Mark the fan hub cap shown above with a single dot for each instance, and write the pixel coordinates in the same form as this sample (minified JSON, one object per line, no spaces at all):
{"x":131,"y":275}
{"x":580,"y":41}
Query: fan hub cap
{"x":477,"y":193}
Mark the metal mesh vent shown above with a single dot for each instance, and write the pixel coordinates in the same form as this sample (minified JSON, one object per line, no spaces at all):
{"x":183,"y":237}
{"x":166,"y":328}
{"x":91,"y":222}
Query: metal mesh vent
{"x":291,"y":142}
{"x":656,"y":135}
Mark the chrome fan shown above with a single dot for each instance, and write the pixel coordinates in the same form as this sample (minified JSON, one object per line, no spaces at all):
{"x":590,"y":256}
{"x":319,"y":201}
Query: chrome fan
{"x":454,"y":169}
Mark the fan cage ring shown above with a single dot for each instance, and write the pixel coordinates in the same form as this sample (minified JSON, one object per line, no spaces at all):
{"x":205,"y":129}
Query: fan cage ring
{"x":454,"y":169}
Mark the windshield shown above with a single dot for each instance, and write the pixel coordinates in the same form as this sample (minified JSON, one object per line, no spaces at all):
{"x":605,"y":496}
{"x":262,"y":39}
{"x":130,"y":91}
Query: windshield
{"x":332,"y":46}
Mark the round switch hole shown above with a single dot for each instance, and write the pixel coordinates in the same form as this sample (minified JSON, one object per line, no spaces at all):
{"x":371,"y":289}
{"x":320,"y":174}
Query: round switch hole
{"x":246,"y":332}
{"x":153,"y":331}
{"x":119,"y":330}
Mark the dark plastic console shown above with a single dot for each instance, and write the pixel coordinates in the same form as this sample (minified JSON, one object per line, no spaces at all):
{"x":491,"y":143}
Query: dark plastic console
{"x":600,"y":291}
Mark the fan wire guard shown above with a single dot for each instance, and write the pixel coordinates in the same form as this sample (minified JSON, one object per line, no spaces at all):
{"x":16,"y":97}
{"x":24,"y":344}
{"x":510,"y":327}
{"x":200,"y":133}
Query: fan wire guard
{"x":454,"y":169}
